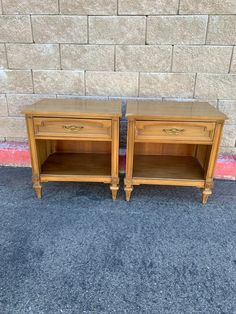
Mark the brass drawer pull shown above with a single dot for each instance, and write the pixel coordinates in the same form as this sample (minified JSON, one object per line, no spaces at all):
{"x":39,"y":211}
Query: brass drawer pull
{"x":173,"y":131}
{"x":73,"y":128}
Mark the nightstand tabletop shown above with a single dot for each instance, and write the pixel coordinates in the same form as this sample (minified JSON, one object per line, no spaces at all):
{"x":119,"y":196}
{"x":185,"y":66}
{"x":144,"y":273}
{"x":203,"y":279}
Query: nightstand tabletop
{"x":75,"y":107}
{"x":168,"y":110}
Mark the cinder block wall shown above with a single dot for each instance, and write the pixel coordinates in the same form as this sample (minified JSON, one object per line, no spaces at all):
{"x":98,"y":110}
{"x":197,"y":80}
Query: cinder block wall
{"x":176,"y":49}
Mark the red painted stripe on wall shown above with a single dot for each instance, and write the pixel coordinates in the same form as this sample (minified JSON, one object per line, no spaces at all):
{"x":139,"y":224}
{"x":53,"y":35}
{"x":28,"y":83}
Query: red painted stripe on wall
{"x":14,"y":154}
{"x":226,"y":167}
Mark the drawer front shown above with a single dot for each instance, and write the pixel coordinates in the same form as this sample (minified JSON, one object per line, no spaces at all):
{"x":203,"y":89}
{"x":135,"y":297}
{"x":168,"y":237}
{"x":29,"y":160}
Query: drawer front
{"x":55,"y":127}
{"x":177,"y":131}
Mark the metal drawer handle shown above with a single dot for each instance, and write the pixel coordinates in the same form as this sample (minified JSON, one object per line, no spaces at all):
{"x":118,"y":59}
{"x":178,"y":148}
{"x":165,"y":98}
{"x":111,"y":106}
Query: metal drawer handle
{"x":173,"y":131}
{"x":73,"y":128}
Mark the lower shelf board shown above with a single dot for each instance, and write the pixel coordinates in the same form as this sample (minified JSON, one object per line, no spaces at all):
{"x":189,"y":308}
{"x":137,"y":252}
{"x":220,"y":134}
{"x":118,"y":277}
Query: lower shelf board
{"x":77,"y":164}
{"x":167,"y":167}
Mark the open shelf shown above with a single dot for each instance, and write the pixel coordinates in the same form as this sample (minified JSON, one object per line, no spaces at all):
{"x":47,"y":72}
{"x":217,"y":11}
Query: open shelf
{"x":77,"y":164}
{"x":167,"y":167}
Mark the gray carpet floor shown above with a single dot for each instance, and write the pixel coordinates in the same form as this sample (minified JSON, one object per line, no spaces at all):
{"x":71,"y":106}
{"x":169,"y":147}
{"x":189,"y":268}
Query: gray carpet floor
{"x":77,"y":251}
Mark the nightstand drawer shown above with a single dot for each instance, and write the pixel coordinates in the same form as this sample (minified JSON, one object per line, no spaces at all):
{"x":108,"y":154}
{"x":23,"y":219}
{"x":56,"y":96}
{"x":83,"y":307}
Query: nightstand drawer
{"x":180,"y":131}
{"x":81,"y":128}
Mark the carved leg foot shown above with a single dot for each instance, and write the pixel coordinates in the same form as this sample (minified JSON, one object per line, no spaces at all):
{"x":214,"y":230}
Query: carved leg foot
{"x":114,"y":187}
{"x":206,"y":192}
{"x":204,"y":198}
{"x":38,"y":189}
{"x":128,"y":188}
{"x":128,"y":192}
{"x":114,"y":191}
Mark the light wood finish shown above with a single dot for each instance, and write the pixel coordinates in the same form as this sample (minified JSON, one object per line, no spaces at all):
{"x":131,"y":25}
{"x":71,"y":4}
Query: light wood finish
{"x":170,"y":110}
{"x":35,"y":157}
{"x":75,"y":108}
{"x":115,"y":159}
{"x":77,"y":164}
{"x":81,"y":128}
{"x":174,"y":131}
{"x":129,"y":159}
{"x":211,"y":165}
{"x":74,"y":140}
{"x":164,"y":149}
{"x":97,"y":147}
{"x":174,"y":167}
{"x":172,"y":144}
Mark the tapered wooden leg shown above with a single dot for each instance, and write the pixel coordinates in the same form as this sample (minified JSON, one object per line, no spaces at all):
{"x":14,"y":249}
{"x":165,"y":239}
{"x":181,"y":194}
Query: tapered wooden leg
{"x":37,"y":185}
{"x":128,"y":189}
{"x":114,"y":187}
{"x":204,"y":198}
{"x":128,"y":192}
{"x":207,"y":191}
{"x":114,"y":191}
{"x":38,"y":189}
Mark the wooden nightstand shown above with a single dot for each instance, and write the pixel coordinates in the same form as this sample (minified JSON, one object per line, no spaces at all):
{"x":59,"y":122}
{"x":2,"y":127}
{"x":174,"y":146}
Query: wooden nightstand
{"x":170,"y":143}
{"x":74,"y":140}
